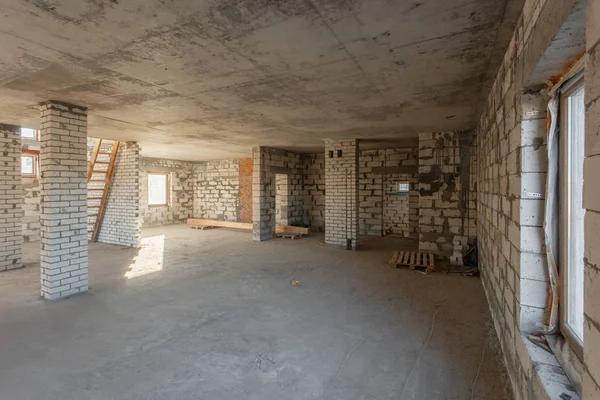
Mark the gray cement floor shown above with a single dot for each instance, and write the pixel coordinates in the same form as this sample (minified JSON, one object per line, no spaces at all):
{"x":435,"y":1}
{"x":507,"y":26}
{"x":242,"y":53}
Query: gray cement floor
{"x":212,"y":315}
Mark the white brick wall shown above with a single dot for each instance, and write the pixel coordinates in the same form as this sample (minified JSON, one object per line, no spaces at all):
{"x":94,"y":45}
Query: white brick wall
{"x":267,"y":162}
{"x":216,"y":190}
{"x":11,"y":239}
{"x":182,"y":192}
{"x":31,"y":210}
{"x":314,"y":191}
{"x":341,"y":193}
{"x":447,"y":205}
{"x":121,"y":224}
{"x":63,"y":174}
{"x":591,"y":201}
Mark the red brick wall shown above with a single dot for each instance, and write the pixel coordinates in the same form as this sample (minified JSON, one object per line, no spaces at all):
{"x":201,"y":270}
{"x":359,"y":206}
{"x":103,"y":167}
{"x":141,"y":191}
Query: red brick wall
{"x":245,"y":190}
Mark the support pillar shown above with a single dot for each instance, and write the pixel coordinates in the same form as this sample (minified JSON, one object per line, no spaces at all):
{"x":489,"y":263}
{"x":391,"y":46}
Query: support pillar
{"x":63,"y":203}
{"x":341,"y":193}
{"x":263,"y":195}
{"x":11,"y":198}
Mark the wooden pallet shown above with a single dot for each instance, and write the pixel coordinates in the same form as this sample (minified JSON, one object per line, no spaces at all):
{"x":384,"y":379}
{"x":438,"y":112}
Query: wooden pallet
{"x":203,"y":227}
{"x":288,"y":235}
{"x":413,"y":260}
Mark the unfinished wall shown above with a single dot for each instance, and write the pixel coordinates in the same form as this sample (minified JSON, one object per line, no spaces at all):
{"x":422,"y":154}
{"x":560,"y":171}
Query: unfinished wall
{"x":591,"y":201}
{"x":381,"y":211}
{"x":31,"y":210}
{"x":11,"y":240}
{"x":181,"y":196}
{"x":314,"y":191}
{"x":121,"y":224}
{"x":217,"y":190}
{"x":510,"y":191}
{"x":447,"y":215}
{"x":341,"y":199}
{"x":267,"y":163}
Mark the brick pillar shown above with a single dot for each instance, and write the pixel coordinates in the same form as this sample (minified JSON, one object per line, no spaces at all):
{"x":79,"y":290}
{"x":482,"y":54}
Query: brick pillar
{"x":11,"y":212}
{"x":263,"y":196}
{"x":63,"y":216}
{"x":341,"y":193}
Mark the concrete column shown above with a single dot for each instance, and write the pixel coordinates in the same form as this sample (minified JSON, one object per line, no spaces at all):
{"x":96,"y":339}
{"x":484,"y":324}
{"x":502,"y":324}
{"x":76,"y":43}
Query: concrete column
{"x":341,"y":193}
{"x":11,"y":198}
{"x":263,"y":196}
{"x":63,"y":217}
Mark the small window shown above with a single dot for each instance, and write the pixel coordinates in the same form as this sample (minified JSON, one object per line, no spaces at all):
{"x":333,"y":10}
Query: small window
{"x":572,"y":213}
{"x":158,"y":188}
{"x":403,"y":187}
{"x":28,"y":133}
{"x":28,"y":164}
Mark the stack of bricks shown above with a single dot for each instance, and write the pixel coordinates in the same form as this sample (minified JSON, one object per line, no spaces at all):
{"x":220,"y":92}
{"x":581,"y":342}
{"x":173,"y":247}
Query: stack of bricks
{"x":314,"y":191}
{"x":121,"y":224}
{"x":341,"y":199}
{"x":380,"y":211}
{"x":181,"y":196}
{"x":11,"y":239}
{"x":217,"y":190}
{"x":267,"y":163}
{"x":63,"y":172}
{"x":445,"y":212}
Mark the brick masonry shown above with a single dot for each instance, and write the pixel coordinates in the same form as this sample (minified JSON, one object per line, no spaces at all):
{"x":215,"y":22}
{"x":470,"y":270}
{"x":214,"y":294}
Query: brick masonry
{"x":314,"y":191}
{"x":181,"y":204}
{"x":31,"y":210}
{"x":267,"y":164}
{"x":447,"y":193}
{"x":217,"y":190}
{"x":591,"y":201}
{"x":11,"y":239}
{"x":380,"y":211}
{"x":511,"y":174}
{"x":121,"y":224}
{"x":341,"y":199}
{"x":63,"y":174}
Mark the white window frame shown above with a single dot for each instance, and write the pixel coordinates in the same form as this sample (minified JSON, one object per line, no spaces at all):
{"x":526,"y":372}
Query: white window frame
{"x":34,"y":164}
{"x":35,"y":134}
{"x":167,"y":189}
{"x":565,"y":222}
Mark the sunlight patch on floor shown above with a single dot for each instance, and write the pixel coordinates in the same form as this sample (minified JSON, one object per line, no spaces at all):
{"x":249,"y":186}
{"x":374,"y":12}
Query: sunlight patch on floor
{"x":149,"y":259}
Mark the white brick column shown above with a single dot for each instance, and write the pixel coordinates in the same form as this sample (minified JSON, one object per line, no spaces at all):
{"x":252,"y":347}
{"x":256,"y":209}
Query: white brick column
{"x":341,"y":193}
{"x":263,"y":196}
{"x":11,"y":197}
{"x":63,"y":216}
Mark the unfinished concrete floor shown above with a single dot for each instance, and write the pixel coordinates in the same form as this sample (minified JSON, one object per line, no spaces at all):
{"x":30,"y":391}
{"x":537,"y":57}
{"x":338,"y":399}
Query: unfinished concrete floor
{"x":212,"y":315}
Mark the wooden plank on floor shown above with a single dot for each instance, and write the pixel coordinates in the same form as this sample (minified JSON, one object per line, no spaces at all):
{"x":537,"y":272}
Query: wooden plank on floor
{"x":394,"y":259}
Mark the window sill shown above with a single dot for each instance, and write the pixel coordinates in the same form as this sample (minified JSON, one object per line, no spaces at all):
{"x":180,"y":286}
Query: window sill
{"x":549,"y":378}
{"x":567,"y":358}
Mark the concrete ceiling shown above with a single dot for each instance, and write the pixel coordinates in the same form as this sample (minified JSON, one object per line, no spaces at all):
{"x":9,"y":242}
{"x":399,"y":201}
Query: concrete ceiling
{"x":201,"y":79}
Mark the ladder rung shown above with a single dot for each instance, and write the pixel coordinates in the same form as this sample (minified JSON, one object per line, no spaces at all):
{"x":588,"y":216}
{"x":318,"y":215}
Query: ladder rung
{"x":95,"y":190}
{"x":105,"y":152}
{"x":93,"y":207}
{"x":101,"y":162}
{"x":92,"y":215}
{"x":97,"y":180}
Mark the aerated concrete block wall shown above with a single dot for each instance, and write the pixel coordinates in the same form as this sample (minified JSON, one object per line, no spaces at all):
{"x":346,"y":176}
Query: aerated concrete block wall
{"x":447,"y":198}
{"x":511,"y":174}
{"x":11,"y":214}
{"x":314,"y":191}
{"x":63,"y":175}
{"x":341,"y":197}
{"x":181,"y":204}
{"x":381,"y":211}
{"x":217,"y":190}
{"x":591,"y":201}
{"x":121,"y":224}
{"x":267,"y":163}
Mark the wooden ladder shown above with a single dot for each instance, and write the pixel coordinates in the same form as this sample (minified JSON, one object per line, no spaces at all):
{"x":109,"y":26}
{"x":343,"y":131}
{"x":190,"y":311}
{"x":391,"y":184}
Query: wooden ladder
{"x":100,"y":174}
